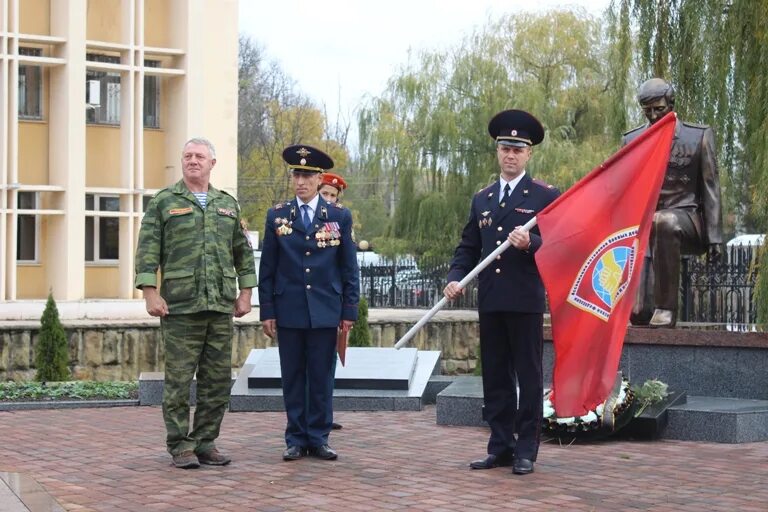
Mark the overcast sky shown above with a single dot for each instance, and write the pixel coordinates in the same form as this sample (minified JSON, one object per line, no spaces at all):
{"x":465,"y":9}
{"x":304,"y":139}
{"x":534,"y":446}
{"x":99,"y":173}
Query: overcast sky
{"x":339,"y":51}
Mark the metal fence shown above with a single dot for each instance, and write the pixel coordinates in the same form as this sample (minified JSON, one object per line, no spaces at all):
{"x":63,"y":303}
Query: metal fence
{"x":406,"y":283}
{"x":720,"y":292}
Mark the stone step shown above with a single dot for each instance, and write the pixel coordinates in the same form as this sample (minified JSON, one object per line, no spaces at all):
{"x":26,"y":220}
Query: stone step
{"x":693,"y":418}
{"x":362,"y":365}
{"x":20,"y":492}
{"x":461,"y":403}
{"x":719,"y":420}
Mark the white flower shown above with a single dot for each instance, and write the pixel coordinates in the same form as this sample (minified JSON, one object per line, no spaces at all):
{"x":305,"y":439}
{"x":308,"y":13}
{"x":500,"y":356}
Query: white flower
{"x":591,"y":420}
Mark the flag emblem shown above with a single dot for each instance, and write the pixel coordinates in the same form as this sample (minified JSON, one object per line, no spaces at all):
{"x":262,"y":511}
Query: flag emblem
{"x":605,"y":275}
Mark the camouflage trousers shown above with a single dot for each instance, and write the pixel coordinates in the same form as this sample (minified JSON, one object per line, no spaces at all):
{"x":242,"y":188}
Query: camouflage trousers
{"x":199,"y":342}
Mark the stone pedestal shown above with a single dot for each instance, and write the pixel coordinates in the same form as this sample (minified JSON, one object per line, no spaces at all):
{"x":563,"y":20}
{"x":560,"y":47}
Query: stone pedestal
{"x":373,"y":379}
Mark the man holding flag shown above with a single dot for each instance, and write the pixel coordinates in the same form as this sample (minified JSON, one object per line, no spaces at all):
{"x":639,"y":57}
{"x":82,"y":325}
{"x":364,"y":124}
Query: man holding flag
{"x":596,"y":234}
{"x":511,"y":294}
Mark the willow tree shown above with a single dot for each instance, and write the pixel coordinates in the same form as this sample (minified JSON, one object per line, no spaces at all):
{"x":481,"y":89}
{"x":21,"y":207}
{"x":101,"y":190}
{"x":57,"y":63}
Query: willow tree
{"x":425,"y":141}
{"x":715,"y":52}
{"x":272,"y":114}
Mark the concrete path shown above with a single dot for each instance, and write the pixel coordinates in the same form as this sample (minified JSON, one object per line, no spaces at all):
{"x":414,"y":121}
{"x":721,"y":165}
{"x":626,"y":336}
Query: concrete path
{"x":114,"y":460}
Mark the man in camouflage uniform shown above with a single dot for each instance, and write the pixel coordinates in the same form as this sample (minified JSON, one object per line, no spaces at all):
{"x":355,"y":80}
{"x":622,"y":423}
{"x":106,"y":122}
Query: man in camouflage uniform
{"x":192,"y":232}
{"x":688,"y":218}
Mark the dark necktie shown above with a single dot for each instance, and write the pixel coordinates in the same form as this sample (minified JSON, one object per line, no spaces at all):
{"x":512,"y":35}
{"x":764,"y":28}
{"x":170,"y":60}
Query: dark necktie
{"x":507,"y":191}
{"x":305,"y":215}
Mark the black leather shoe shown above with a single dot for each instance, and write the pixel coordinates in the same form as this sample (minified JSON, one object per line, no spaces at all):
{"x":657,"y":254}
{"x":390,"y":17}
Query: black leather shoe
{"x":490,"y":462}
{"x":522,"y":466}
{"x":324,"y":452}
{"x":293,"y":453}
{"x":336,"y":426}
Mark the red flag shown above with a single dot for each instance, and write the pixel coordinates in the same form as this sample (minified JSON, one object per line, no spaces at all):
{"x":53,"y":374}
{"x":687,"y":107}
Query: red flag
{"x":595,"y":236}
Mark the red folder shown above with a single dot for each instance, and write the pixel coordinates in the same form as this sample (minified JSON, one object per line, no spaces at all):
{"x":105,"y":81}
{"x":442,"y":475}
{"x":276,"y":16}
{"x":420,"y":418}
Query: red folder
{"x":341,"y":344}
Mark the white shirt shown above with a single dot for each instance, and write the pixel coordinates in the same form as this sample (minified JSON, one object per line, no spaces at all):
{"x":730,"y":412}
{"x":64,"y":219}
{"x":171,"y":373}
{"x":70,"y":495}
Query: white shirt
{"x":312,"y":206}
{"x":512,"y":185}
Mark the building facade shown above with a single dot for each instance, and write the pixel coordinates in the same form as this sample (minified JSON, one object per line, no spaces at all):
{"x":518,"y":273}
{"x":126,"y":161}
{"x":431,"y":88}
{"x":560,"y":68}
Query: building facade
{"x":97,"y":98}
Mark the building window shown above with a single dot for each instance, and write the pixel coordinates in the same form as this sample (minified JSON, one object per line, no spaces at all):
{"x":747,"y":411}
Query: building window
{"x":102,"y":94}
{"x":102,"y":234}
{"x":30,"y":87}
{"x":151,"y":96}
{"x":26,"y":236}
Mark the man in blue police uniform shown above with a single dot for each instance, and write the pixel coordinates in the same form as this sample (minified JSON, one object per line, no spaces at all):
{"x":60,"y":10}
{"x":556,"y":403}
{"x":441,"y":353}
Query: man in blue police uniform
{"x":308,"y":288}
{"x":510,"y":294}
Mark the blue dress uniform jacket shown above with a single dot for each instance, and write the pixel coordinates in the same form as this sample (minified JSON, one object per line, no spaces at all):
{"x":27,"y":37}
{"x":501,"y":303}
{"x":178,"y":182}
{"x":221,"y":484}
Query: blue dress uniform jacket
{"x":306,"y":279}
{"x":511,"y":283}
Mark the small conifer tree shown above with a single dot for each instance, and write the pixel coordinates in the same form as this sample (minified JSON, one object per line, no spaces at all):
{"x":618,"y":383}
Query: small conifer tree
{"x":52,"y":355}
{"x":360,"y":335}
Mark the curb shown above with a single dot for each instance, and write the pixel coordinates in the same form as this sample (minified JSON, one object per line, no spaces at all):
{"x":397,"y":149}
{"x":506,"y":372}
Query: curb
{"x":65,"y":404}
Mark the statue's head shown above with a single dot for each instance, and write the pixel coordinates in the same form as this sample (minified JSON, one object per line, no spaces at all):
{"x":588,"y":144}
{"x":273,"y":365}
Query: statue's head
{"x":657,"y":98}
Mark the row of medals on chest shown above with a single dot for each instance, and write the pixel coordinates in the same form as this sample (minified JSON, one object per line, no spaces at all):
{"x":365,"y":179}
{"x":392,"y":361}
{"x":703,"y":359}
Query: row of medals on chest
{"x":328,"y":236}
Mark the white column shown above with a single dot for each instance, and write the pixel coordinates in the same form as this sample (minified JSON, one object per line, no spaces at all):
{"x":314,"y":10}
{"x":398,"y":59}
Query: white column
{"x":12,"y":135}
{"x":204,"y":101}
{"x":133,"y":222}
{"x":65,"y":258}
{"x":179,"y":106}
{"x":5,"y":256}
{"x":129,"y":138}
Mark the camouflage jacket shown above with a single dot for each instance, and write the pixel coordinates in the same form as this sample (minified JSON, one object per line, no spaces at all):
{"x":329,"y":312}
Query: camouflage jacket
{"x":200,"y":253}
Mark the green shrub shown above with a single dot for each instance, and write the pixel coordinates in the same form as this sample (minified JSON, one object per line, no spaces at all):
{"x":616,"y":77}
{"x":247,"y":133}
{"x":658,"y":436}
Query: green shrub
{"x":72,"y":390}
{"x":52,"y":353}
{"x":360,"y":336}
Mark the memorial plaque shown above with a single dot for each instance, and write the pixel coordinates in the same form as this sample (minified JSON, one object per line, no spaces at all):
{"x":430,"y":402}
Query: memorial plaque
{"x":374,"y":379}
{"x":366,"y":368}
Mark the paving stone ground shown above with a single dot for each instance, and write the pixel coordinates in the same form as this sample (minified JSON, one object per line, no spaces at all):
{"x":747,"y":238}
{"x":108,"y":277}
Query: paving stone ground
{"x":115,"y":460}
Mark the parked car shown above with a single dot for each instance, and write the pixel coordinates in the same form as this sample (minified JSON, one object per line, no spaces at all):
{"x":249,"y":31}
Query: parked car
{"x":752,"y":239}
{"x":743,"y":248}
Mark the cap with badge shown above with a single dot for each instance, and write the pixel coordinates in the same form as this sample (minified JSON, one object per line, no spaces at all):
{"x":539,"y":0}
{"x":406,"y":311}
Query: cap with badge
{"x":334,"y":180}
{"x":304,"y":158}
{"x":516,"y":128}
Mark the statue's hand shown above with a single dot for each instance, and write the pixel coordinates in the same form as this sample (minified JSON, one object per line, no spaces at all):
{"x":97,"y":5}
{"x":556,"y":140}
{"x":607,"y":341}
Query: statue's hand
{"x":715,"y":252}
